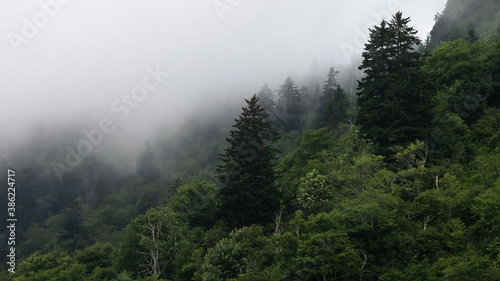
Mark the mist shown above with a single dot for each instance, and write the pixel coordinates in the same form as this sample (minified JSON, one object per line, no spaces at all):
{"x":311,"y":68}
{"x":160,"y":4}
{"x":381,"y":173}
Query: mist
{"x":140,"y":71}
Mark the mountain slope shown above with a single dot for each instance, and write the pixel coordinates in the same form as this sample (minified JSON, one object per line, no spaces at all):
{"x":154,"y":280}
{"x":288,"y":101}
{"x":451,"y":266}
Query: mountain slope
{"x":469,"y":19}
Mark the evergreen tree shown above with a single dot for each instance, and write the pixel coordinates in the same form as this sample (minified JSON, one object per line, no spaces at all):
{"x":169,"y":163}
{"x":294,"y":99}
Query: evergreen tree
{"x":393,"y":102}
{"x":266,"y":99}
{"x":327,"y":95}
{"x":248,"y":194}
{"x":372,"y":87}
{"x":337,"y":110}
{"x":290,"y":106}
{"x":308,"y":102}
{"x":73,"y":234}
{"x":329,"y":86}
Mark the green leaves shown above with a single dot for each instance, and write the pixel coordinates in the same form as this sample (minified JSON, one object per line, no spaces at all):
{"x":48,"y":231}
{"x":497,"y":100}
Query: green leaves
{"x":224,"y":262}
{"x":196,"y":202}
{"x":92,"y":263}
{"x":323,"y":250}
{"x":314,"y":192}
{"x":246,"y":253}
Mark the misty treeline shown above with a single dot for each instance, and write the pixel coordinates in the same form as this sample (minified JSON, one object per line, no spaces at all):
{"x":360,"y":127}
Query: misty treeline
{"x":467,"y":19}
{"x":398,"y":182}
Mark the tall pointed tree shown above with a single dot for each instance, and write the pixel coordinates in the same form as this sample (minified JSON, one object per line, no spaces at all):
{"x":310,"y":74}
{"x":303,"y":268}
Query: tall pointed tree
{"x":290,"y":106}
{"x":337,"y":110}
{"x":327,"y":95}
{"x":249,"y":195}
{"x":392,"y":99}
{"x":308,"y":102}
{"x":266,"y":99}
{"x":329,"y":86}
{"x":373,"y":114}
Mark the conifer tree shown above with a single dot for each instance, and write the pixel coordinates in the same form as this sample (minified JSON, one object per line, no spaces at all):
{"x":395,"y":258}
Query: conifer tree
{"x":326,"y":97}
{"x":266,"y":99}
{"x":329,"y":86}
{"x":337,"y":110}
{"x":248,"y":195}
{"x":392,"y":99}
{"x":308,"y":102}
{"x":290,"y":106}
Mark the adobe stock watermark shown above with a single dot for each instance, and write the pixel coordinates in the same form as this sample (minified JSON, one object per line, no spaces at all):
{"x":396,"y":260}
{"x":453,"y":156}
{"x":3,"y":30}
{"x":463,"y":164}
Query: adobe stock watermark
{"x":121,"y":107}
{"x":40,"y":19}
{"x":362,"y":36}
{"x":222,"y":7}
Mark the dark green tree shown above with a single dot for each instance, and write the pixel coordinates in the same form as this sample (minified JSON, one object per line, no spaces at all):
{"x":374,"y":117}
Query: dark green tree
{"x":73,"y":235}
{"x":196,"y":202}
{"x":326,"y":97}
{"x":392,"y":99}
{"x":290,"y":106}
{"x":57,"y":266}
{"x":248,"y":194}
{"x":152,"y":242}
{"x":337,"y":110}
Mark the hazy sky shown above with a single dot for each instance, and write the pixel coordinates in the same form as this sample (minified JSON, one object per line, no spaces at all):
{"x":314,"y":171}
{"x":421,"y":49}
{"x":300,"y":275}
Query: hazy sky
{"x":78,"y":59}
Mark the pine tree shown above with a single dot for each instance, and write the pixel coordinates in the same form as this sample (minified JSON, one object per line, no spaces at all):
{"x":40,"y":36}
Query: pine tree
{"x":329,"y":86}
{"x":327,"y":95}
{"x":308,"y":102}
{"x":337,"y":110}
{"x":266,"y":99}
{"x":393,"y":102}
{"x":248,"y":194}
{"x":289,"y":106}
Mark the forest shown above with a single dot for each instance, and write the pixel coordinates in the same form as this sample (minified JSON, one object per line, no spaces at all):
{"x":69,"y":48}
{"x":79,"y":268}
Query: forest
{"x":398,"y":180}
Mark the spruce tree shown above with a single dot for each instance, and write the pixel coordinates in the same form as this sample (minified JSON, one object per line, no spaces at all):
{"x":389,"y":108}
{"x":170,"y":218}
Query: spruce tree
{"x":373,"y":115}
{"x":329,"y":86}
{"x":326,"y":97}
{"x":290,"y":106}
{"x":308,"y":102}
{"x":392,"y":99}
{"x":266,"y":99}
{"x":248,"y":194}
{"x":337,"y":111}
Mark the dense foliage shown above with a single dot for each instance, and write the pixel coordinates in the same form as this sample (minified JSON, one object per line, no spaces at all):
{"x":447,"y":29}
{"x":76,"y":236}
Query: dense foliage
{"x":410,"y":190}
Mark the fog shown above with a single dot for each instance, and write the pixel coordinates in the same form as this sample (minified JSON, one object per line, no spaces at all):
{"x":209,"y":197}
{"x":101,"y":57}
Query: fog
{"x":72,"y":65}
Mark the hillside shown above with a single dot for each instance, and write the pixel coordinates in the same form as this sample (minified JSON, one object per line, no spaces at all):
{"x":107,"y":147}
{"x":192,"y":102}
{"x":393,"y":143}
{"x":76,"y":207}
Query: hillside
{"x":466,"y":19}
{"x":398,"y":181}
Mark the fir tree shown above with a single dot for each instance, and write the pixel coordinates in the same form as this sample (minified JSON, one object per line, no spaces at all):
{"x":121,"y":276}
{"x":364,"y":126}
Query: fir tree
{"x":329,"y":86}
{"x":266,"y":99}
{"x":393,"y":102}
{"x":248,"y":195}
{"x":307,"y":99}
{"x":327,"y":95}
{"x":337,"y":110}
{"x":290,"y":106}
